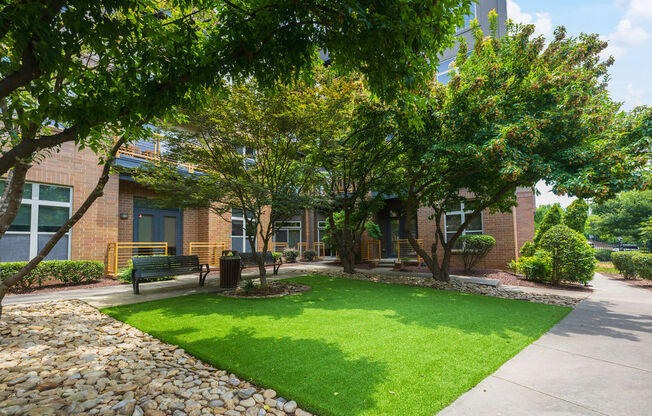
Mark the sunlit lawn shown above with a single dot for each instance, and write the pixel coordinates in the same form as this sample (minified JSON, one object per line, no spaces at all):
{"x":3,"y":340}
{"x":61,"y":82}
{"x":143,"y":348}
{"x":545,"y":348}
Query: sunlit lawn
{"x":351,"y":347}
{"x":606,"y":267}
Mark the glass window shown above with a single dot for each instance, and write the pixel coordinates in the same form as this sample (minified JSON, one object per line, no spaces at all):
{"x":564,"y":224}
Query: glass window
{"x":27,"y":192}
{"x":237,"y":227}
{"x":14,"y":247}
{"x":50,"y":219}
{"x":456,"y":214}
{"x":59,"y":251}
{"x":469,"y":17}
{"x":23,"y":219}
{"x":54,"y":193}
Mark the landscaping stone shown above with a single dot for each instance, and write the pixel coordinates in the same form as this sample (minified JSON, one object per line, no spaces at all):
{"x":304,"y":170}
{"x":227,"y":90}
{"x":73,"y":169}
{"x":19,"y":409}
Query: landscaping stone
{"x":459,"y":286}
{"x":66,"y":357}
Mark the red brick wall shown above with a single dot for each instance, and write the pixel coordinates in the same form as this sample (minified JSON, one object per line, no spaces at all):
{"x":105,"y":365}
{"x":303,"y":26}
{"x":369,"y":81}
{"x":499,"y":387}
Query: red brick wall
{"x":79,"y":170}
{"x":525,"y":215}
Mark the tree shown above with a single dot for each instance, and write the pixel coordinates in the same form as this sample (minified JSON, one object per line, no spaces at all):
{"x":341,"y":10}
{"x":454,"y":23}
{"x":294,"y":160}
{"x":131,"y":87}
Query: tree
{"x":622,"y":217}
{"x":249,"y":149}
{"x":87,"y":71}
{"x":573,"y":260}
{"x":357,"y":160}
{"x":517,"y":111}
{"x":553,"y":217}
{"x":576,"y":215}
{"x":539,"y":213}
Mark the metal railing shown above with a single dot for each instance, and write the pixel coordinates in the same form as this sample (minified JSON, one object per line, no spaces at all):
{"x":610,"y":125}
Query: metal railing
{"x":370,"y":250}
{"x":208,"y":252}
{"x":405,"y":251}
{"x":151,"y":151}
{"x":320,"y":249}
{"x":118,"y":254}
{"x":279,"y":247}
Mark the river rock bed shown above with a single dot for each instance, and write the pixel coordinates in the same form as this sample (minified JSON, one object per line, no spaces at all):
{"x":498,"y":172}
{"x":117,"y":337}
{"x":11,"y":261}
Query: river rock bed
{"x":66,"y":357}
{"x":460,"y":286}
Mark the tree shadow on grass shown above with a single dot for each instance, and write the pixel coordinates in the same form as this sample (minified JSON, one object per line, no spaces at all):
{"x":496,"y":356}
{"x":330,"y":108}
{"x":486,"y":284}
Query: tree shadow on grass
{"x":338,"y":385}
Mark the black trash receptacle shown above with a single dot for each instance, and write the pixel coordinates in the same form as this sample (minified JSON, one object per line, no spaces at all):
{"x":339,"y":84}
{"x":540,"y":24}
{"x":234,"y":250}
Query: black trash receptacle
{"x":229,"y":269}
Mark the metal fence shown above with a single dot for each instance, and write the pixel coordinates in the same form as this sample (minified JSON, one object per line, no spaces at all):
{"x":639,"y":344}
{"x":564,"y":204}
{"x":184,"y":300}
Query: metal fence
{"x":208,"y":252}
{"x":405,"y":251}
{"x":118,"y":254}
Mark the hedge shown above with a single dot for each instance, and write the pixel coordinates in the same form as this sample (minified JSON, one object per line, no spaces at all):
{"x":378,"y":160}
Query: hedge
{"x":624,"y":262}
{"x":474,"y":248}
{"x":537,"y":267}
{"x":643,"y":265}
{"x":66,"y":271}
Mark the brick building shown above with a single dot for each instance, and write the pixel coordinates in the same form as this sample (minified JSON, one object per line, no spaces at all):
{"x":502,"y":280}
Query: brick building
{"x":125,"y":213}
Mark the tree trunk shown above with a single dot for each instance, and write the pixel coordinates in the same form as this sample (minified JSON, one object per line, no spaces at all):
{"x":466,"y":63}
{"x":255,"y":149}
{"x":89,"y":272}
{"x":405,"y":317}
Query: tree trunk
{"x":12,"y":196}
{"x":97,"y":192}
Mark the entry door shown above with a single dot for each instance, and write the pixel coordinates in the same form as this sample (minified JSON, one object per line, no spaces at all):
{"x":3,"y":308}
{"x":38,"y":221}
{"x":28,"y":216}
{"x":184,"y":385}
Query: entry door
{"x":393,"y":234}
{"x":158,"y":225}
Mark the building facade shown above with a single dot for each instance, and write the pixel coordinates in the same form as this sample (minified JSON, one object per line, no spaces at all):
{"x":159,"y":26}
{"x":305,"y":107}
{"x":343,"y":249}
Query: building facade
{"x":125,"y":214}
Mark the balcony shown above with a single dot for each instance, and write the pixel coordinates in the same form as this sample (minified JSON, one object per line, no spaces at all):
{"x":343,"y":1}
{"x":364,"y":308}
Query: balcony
{"x":147,"y":151}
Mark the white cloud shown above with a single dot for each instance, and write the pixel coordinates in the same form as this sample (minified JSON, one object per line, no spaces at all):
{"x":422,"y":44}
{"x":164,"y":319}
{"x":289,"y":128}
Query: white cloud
{"x":541,"y":20}
{"x":634,"y":96}
{"x":631,"y":29}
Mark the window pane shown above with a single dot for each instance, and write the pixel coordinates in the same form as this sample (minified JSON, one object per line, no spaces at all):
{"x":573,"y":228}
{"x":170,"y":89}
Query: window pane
{"x":170,"y":234}
{"x":50,"y":219}
{"x":23,"y":219}
{"x":27,"y":192}
{"x":281,"y":236}
{"x":449,"y":236}
{"x":145,"y":230}
{"x":145,"y":203}
{"x":295,"y":238}
{"x":452,"y":207}
{"x":247,"y":247}
{"x":444,"y":65}
{"x":237,"y":227}
{"x":54,"y":193}
{"x":453,"y":222}
{"x":60,"y":250}
{"x":444,"y":78}
{"x":236,"y":212}
{"x":475,"y":224}
{"x":236,"y":243}
{"x":14,"y":247}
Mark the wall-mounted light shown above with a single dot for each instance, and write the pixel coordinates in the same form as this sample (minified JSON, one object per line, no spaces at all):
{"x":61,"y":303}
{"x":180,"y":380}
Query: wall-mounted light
{"x":124,"y":216}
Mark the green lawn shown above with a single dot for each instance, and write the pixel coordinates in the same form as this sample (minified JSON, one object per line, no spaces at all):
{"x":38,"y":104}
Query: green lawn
{"x":351,"y":347}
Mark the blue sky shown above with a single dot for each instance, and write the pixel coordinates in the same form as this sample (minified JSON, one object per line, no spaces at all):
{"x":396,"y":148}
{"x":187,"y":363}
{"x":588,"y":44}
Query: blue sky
{"x":626,"y":24}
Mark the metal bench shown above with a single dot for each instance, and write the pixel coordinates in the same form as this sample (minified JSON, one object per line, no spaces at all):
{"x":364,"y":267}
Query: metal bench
{"x":248,"y":260}
{"x":153,"y":267}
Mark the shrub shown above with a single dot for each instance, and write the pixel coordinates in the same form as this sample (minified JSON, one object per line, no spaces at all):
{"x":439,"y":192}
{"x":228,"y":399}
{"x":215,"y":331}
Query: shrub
{"x":552,"y":218}
{"x":537,"y":267}
{"x":603,"y":254}
{"x":474,"y":248}
{"x":623,"y":262}
{"x":643,"y":265}
{"x":528,"y":249}
{"x":373,"y":230}
{"x":576,"y":215}
{"x":290,"y":255}
{"x":309,"y":255}
{"x":276,"y":255}
{"x":65,"y":271}
{"x":573,"y":260}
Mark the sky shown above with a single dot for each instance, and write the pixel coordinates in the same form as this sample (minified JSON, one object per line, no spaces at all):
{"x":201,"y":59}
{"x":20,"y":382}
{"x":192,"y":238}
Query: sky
{"x":625,"y":24}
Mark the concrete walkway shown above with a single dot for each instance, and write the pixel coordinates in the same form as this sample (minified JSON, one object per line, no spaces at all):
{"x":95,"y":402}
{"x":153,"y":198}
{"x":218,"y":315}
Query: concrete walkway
{"x":596,"y":361}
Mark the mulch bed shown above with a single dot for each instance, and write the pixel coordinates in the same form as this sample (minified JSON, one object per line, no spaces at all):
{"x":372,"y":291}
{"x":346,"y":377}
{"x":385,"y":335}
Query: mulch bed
{"x":645,"y":284}
{"x":271,"y":290}
{"x":56,"y":286}
{"x":504,"y":277}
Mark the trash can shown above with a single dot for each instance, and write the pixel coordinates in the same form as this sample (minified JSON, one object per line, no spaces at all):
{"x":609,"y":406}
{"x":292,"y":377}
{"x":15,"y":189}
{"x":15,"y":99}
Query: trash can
{"x":229,"y":269}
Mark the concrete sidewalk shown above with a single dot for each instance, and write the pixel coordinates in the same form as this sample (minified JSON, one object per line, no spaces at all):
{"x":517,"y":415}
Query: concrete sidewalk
{"x":596,"y":361}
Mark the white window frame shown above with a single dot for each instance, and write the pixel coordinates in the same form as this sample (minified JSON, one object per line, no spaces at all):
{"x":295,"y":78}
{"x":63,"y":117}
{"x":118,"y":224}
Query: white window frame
{"x":287,"y":226}
{"x":35,"y":203}
{"x":244,"y":232}
{"x":462,"y":212}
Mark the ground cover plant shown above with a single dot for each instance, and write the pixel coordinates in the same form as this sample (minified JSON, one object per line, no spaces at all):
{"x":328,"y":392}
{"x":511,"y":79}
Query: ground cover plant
{"x":350,"y":347}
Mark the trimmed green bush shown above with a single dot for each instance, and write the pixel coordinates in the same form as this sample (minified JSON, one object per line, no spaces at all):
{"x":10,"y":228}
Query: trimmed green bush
{"x":576,"y":215}
{"x":290,"y":255}
{"x":276,"y":255}
{"x":553,"y":217}
{"x":624,"y":262}
{"x":528,"y":249}
{"x":309,"y":255}
{"x":475,"y":248}
{"x":65,"y":271}
{"x":603,"y":254}
{"x":643,"y":265}
{"x":573,"y":259}
{"x":537,"y":267}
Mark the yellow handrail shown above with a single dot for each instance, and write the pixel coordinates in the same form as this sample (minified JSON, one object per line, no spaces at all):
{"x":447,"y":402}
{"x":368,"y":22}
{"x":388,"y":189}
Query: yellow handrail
{"x":208,"y":252}
{"x":370,"y":250}
{"x":405,"y":250}
{"x":279,"y":247}
{"x":320,"y":249}
{"x":119,"y":253}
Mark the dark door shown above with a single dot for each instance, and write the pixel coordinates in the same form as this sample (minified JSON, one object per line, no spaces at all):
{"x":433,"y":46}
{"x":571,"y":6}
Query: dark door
{"x":158,"y":225}
{"x":393,"y":234}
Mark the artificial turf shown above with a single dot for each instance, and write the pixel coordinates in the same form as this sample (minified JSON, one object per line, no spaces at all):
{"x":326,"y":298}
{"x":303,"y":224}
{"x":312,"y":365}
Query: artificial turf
{"x":351,"y":347}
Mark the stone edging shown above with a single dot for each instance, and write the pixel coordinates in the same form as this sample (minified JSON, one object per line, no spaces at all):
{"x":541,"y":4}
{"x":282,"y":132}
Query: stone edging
{"x":458,"y":286}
